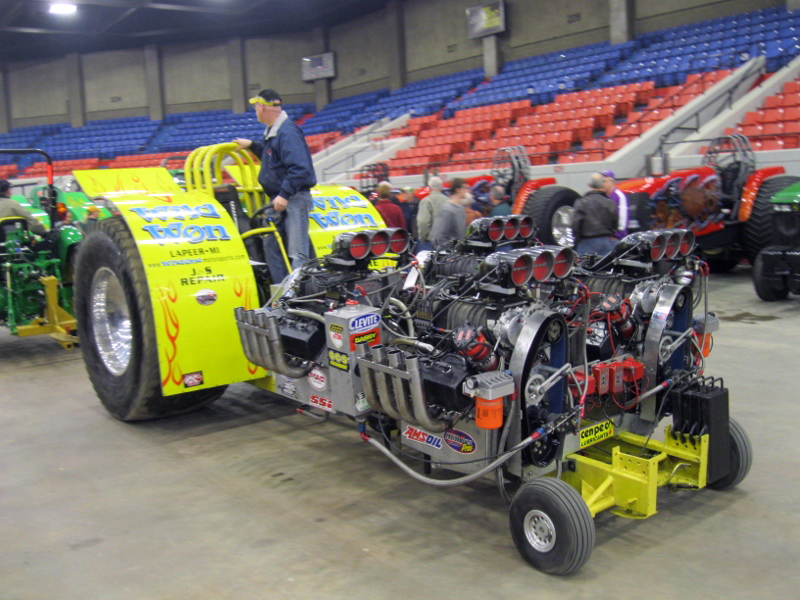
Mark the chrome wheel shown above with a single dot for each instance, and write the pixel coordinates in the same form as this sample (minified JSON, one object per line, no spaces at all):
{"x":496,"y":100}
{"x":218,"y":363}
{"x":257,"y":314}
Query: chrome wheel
{"x":111,"y":321}
{"x":561,"y":226}
{"x":540,"y":531}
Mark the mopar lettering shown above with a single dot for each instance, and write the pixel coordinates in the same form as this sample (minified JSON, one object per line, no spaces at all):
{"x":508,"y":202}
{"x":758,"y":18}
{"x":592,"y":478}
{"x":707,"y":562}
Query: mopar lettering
{"x":194,"y":234}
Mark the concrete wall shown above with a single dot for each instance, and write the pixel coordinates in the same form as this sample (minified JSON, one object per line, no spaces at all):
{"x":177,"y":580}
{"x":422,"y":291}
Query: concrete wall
{"x":361,"y":55}
{"x":38,"y":92}
{"x":538,"y":27}
{"x":274,"y":62}
{"x":196,"y":77}
{"x":114,"y":82}
{"x":659,"y":14}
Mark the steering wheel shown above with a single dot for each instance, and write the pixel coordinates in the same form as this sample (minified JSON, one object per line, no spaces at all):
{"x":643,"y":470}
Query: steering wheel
{"x":259,"y":214}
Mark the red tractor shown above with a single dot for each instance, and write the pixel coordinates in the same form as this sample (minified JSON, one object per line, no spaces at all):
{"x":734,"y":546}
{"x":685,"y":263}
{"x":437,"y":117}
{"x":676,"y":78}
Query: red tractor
{"x":725,"y":201}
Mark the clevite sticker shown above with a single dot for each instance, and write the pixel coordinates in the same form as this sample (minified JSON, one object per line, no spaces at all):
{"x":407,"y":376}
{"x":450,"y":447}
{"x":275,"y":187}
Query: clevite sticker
{"x":322,"y":403}
{"x":460,"y":441}
{"x":336,"y":333}
{"x":423,"y":437}
{"x":364,"y":323}
{"x":338,"y":360}
{"x":596,"y":433}
{"x":317,"y":379}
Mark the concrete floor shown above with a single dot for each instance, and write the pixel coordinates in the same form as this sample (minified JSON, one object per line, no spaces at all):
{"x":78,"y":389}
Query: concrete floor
{"x":246,"y":499}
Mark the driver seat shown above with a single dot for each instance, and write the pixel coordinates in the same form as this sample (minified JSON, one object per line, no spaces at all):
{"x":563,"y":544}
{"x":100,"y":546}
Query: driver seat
{"x":228,"y":197}
{"x":11,"y":224}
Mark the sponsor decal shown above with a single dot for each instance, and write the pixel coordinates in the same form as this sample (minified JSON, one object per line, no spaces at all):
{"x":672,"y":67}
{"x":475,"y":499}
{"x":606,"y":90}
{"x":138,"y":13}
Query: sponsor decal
{"x":338,"y":360}
{"x":596,"y":433}
{"x":173,"y":227}
{"x":322,"y":403}
{"x":289,"y":389}
{"x":317,"y":379}
{"x":423,"y":437}
{"x":460,"y":441}
{"x":336,"y":333}
{"x":193,"y":379}
{"x":206,"y":297}
{"x":364,"y":323}
{"x":371,"y":337}
{"x":361,"y":402}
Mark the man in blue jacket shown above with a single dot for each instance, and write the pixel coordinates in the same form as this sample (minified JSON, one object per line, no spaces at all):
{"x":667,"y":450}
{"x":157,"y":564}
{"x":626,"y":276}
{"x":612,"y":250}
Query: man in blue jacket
{"x":287,"y":176}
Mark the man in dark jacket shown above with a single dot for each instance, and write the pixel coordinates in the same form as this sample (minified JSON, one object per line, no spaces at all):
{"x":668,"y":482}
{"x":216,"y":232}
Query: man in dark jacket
{"x":287,"y":176}
{"x":595,"y":219}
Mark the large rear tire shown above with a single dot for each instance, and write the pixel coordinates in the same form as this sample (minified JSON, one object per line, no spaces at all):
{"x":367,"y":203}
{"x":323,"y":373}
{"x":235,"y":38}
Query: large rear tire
{"x":551,"y":209}
{"x":759,"y":228}
{"x":551,"y":526}
{"x":765,"y":289}
{"x":116,"y":329}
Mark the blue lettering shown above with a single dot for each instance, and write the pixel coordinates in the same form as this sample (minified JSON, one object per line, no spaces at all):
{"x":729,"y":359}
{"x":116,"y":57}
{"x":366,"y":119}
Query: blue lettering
{"x":216,"y":232}
{"x":319,"y":203}
{"x":194,"y":233}
{"x":191,"y":233}
{"x":209,"y":211}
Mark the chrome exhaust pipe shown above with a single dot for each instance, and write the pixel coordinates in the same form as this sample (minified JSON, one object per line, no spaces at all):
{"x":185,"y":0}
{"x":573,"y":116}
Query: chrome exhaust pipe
{"x":277,"y":353}
{"x":368,"y":376}
{"x":385,"y":395}
{"x":422,"y":417}
{"x":263,"y":346}
{"x":402,"y":400}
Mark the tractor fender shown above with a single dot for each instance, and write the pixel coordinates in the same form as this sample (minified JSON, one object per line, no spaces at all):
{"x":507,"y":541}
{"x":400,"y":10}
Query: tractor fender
{"x":526,"y":190}
{"x":68,"y":238}
{"x":750,"y":189}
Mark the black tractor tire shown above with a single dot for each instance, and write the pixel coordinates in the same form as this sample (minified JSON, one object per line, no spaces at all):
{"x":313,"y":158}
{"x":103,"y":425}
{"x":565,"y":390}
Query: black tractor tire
{"x":569,"y":532}
{"x":721,"y":262}
{"x":543,"y":204}
{"x":741,"y":459}
{"x":135,"y":394}
{"x":759,"y":228}
{"x":766,"y":290}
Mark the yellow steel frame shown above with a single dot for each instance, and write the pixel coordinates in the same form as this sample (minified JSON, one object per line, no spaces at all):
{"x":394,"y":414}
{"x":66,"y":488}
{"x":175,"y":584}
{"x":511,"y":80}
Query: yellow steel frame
{"x":57,"y":323}
{"x":625,"y":471}
{"x":203,"y":170}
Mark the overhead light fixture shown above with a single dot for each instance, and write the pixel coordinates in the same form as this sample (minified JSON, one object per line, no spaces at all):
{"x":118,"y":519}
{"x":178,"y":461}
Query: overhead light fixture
{"x":61,"y":8}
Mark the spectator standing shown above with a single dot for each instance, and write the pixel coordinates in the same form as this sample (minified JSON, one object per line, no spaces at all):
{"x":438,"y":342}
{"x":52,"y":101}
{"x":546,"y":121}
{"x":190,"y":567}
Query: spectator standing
{"x":391,"y":213}
{"x":618,"y":196}
{"x":287,"y":176}
{"x":472,"y":209}
{"x":429,"y":208}
{"x":595,"y":219}
{"x":410,"y":206}
{"x":501,"y":206}
{"x":451,"y":220}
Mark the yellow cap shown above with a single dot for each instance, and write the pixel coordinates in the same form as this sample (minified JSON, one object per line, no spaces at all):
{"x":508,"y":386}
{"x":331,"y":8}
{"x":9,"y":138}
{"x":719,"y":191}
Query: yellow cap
{"x":260,"y":100}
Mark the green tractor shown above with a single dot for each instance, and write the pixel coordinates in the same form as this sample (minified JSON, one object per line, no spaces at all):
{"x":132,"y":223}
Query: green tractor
{"x":776,"y":270}
{"x":36,"y":274}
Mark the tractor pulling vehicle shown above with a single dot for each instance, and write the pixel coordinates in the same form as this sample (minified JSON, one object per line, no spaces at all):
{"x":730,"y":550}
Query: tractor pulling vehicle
{"x":776,"y":270}
{"x":494,"y":357}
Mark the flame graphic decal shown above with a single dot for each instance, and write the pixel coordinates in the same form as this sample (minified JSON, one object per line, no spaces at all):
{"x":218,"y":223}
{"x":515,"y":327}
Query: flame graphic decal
{"x":168,"y":298}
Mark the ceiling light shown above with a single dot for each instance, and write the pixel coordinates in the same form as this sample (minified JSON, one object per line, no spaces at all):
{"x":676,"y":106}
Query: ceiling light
{"x":63,"y":9}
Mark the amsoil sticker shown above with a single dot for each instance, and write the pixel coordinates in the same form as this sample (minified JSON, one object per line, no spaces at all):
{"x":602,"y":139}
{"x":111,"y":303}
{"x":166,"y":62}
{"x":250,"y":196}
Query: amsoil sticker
{"x":193,"y":379}
{"x":596,"y":433}
{"x":206,"y":297}
{"x":338,"y":360}
{"x":423,"y":437}
{"x":322,"y":403}
{"x":289,"y":389}
{"x":371,"y":337}
{"x":336,"y":333}
{"x":460,"y":441}
{"x":364,"y":323}
{"x":317,"y":379}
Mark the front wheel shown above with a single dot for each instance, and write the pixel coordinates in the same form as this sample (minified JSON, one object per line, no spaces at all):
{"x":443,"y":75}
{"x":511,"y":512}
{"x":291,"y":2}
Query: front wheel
{"x":741,"y":459}
{"x":116,"y":329}
{"x":767,"y":290}
{"x":551,"y":526}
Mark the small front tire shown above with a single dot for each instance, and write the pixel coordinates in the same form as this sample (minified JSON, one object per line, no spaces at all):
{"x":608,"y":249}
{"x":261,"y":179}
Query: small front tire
{"x":766,"y":290}
{"x":741,"y":459}
{"x":551,"y":526}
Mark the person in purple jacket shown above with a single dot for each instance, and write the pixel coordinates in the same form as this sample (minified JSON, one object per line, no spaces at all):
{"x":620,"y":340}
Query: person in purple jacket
{"x":610,"y":189}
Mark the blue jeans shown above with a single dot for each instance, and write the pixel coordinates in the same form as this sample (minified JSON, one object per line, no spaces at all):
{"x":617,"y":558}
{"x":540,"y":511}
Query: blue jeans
{"x":293,"y":228}
{"x":598,"y":245}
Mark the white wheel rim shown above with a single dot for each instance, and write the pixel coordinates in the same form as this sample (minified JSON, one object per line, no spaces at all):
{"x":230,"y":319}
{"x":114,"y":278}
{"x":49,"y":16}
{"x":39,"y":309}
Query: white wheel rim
{"x":540,"y":531}
{"x":561,"y":226}
{"x":111,"y":321}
